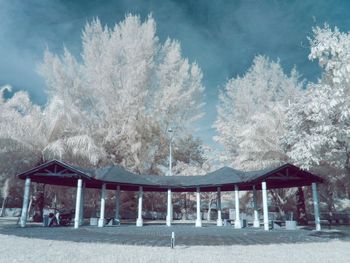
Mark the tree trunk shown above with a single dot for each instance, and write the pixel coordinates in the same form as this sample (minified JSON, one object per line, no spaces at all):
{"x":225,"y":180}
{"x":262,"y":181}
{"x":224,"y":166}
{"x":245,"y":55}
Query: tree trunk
{"x":277,"y":201}
{"x":5,"y":194}
{"x":30,"y":205}
{"x":38,"y":205}
{"x":301,"y":211}
{"x":209,"y":210}
{"x":347,"y":168}
{"x":3,"y":207}
{"x":330,"y":204}
{"x":185,"y":216}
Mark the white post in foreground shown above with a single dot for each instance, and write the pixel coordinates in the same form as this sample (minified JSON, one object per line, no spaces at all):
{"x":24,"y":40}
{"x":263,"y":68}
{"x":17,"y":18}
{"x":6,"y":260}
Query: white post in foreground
{"x":316,"y":208}
{"x":168,"y":214}
{"x":25,"y":202}
{"x":199,"y":219}
{"x":77,"y":204}
{"x":139,"y":221}
{"x":101,"y":221}
{"x":219,"y":220}
{"x":265,"y":209}
{"x":82,"y":198}
{"x":117,"y":203}
{"x":256,"y":222}
{"x":237,"y":220}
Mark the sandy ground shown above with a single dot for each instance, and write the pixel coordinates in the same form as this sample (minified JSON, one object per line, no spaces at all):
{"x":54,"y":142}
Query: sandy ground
{"x":18,"y":249}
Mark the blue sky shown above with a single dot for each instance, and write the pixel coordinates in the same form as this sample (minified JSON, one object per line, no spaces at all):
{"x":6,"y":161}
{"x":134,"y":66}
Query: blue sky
{"x":222,"y":36}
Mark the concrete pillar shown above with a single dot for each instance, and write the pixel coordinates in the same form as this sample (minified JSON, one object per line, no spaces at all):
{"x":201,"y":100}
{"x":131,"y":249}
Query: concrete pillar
{"x":219,"y":220}
{"x":169,"y":208}
{"x":25,"y":202}
{"x":199,"y":218}
{"x":237,"y":220}
{"x":256,"y":222}
{"x":101,"y":221}
{"x":316,"y":208}
{"x":139,"y":221}
{"x":81,"y":213}
{"x":265,"y":209}
{"x":117,"y":203}
{"x":78,"y":203}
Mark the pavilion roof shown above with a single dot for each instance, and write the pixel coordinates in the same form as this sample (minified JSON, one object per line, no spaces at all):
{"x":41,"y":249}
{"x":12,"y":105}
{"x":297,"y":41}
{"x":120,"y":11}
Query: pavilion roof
{"x":59,"y":173}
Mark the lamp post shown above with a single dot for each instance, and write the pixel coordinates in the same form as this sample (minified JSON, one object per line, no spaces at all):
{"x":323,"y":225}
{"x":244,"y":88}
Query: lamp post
{"x":169,"y":216}
{"x":170,"y":131}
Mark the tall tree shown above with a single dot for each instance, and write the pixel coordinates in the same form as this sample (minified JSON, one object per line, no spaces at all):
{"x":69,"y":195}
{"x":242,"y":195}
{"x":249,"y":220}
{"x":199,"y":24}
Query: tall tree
{"x":20,"y":138}
{"x":125,"y":93}
{"x":319,"y":123}
{"x":251,"y":114}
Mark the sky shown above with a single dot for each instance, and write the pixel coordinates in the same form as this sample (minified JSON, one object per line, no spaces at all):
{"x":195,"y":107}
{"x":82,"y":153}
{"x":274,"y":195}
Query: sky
{"x":221,"y":36}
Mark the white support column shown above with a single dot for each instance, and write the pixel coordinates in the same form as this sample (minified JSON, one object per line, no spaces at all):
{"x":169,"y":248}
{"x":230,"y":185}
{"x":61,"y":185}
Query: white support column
{"x":256,"y":222}
{"x":25,"y":202}
{"x":316,"y":208}
{"x":199,"y":218}
{"x":101,"y":221}
{"x":238,"y":219}
{"x":139,"y":221}
{"x":219,"y":220}
{"x":265,"y":209}
{"x":117,"y":203}
{"x":81,"y":213}
{"x":78,"y":203}
{"x":169,"y":208}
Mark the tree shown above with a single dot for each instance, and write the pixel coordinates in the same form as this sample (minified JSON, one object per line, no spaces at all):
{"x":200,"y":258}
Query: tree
{"x":192,"y":158}
{"x":251,"y":114}
{"x":126,"y":92}
{"x":190,"y":150}
{"x":318,"y":124}
{"x":19,"y":138}
{"x":113,"y":105}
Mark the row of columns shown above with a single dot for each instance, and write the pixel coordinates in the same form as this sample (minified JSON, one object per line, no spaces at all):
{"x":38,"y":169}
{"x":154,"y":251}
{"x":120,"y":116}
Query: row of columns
{"x":78,"y":220}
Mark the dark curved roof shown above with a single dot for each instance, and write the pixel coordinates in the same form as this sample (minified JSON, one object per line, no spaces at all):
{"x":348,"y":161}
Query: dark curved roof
{"x":59,"y":173}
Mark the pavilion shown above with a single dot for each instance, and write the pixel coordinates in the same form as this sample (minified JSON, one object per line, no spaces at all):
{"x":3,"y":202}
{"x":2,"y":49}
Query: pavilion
{"x":117,"y":178}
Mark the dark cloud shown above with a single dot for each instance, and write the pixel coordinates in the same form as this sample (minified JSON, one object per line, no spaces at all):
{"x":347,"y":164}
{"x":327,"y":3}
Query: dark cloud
{"x":222,"y":36}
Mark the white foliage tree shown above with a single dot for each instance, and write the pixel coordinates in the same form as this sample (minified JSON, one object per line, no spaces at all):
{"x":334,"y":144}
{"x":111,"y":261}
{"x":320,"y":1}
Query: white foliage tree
{"x":319,"y":124}
{"x":124,"y":93}
{"x":251,"y":114}
{"x":192,"y":158}
{"x":20,"y":138}
{"x":19,"y":132}
{"x":114,"y":104}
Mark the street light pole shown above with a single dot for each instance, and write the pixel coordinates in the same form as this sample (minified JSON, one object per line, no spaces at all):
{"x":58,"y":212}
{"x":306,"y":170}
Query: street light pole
{"x":169,"y":216}
{"x":170,"y":131}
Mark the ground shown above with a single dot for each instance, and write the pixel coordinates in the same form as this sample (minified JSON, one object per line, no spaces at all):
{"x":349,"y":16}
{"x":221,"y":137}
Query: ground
{"x":92,"y":244}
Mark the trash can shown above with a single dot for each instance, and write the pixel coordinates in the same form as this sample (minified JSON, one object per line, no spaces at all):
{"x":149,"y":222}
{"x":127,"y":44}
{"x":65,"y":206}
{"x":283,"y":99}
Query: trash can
{"x":46,"y":220}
